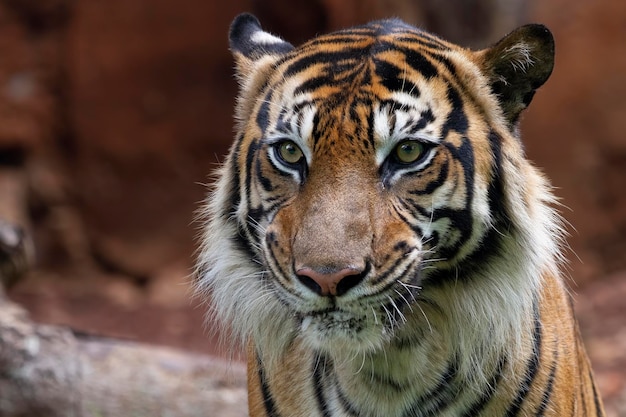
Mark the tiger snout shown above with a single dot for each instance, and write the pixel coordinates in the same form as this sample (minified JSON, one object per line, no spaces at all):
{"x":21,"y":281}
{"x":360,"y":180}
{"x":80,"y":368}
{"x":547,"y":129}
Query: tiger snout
{"x":341,"y":254}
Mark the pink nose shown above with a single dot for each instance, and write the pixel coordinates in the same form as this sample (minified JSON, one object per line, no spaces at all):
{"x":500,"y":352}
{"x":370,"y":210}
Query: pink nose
{"x":333,"y":283}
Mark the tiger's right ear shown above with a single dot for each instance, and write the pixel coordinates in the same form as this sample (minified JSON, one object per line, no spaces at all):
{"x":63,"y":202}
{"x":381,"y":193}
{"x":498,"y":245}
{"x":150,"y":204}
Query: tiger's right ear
{"x":252,"y":47}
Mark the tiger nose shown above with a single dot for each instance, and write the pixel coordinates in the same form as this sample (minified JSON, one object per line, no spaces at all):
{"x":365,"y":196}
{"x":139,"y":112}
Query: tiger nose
{"x":330,"y":282}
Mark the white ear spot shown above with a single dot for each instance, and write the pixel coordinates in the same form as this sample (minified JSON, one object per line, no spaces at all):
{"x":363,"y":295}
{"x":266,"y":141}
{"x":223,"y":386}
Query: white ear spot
{"x":264,"y":38}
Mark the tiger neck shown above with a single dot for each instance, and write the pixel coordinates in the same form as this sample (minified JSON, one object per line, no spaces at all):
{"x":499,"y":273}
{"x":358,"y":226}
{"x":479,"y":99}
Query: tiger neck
{"x":425,"y":370}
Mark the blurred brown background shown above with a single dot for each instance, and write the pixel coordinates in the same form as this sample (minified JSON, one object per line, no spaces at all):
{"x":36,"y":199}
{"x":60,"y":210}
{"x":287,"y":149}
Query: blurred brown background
{"x":114,"y":112}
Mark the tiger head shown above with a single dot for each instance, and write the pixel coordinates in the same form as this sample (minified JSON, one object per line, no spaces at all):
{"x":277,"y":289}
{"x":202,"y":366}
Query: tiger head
{"x":376,"y":174}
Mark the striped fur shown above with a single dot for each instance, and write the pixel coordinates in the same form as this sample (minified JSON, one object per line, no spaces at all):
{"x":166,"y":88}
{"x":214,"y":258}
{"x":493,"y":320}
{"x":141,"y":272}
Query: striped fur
{"x":366,"y":280}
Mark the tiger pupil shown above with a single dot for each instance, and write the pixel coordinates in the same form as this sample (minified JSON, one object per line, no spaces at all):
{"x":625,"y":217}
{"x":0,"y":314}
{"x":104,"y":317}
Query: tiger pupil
{"x":290,"y":152}
{"x":409,"y":151}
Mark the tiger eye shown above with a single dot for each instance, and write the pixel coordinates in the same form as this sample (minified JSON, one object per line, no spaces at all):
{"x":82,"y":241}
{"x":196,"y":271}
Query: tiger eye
{"x":290,"y":152}
{"x":409,"y":151}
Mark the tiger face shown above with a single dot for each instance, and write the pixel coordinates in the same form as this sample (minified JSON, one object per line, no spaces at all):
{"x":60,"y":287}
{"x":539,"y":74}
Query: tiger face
{"x":378,"y":240}
{"x":367,"y":178}
{"x":360,"y":189}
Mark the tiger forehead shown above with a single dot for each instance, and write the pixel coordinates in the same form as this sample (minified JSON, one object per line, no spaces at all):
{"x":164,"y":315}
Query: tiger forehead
{"x":350,"y":50}
{"x":359,"y":91}
{"x":354,"y":77}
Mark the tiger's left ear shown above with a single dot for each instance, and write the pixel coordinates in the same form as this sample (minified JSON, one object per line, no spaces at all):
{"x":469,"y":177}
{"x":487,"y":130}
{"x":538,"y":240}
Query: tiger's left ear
{"x":517,"y":66}
{"x":252,"y":46}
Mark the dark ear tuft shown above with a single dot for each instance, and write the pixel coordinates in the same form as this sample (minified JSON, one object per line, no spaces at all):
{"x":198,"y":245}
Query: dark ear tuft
{"x":519,"y":64}
{"x":247,"y":38}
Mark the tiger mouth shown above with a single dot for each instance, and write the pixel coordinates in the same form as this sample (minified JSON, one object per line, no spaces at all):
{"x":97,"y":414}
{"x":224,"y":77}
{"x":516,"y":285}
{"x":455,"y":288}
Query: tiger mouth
{"x":339,"y":332}
{"x":332,"y":319}
{"x":352,"y":322}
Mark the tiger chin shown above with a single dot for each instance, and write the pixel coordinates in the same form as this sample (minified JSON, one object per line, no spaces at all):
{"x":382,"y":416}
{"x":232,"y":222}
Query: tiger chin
{"x":376,"y":238}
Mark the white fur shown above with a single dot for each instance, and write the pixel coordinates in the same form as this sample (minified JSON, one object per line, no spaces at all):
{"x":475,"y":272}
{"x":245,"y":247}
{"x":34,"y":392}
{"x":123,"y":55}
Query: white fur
{"x":265,"y":38}
{"x":519,"y":55}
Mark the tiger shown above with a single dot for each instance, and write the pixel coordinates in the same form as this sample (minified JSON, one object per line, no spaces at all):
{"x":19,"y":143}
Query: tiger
{"x":377,"y":242}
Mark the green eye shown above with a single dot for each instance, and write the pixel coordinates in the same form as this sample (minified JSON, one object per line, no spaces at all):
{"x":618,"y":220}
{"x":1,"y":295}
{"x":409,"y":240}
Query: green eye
{"x":290,"y":152}
{"x":409,"y":151}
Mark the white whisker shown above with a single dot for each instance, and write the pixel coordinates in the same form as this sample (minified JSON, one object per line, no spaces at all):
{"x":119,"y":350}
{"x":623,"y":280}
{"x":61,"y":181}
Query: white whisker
{"x":375,"y":315}
{"x":395,"y":307}
{"x":430,"y":328}
{"x":406,"y":302}
{"x":417,"y":287}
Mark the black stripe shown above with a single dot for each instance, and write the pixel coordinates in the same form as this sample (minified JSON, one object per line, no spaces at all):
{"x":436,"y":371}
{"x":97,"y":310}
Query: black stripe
{"x":457,"y":119}
{"x":348,"y":407}
{"x":235,"y":188}
{"x":419,"y":62}
{"x":364,"y":30}
{"x":393,"y":79}
{"x":583,"y":399}
{"x":411,"y":205}
{"x":582,"y":393}
{"x":253,"y":219}
{"x":346,"y":71}
{"x":254,"y":214}
{"x":479,"y":405}
{"x":275,"y":204}
{"x":422,"y":41}
{"x":263,"y":116}
{"x":446,"y":397}
{"x":445,"y":61}
{"x":384,"y":381}
{"x":302,"y":63}
{"x":461,"y":220}
{"x":491,"y":244}
{"x":268,"y":400}
{"x":281,"y":271}
{"x":297,"y":109}
{"x":265,"y":182}
{"x":380,"y":277}
{"x":319,"y":374}
{"x":596,"y":397}
{"x":250,"y":154}
{"x":531,"y":369}
{"x":313,"y":84}
{"x":242,"y":243}
{"x":436,"y":183}
{"x":496,"y":192}
{"x":547,"y":392}
{"x":394,"y":282}
{"x":345,"y":37}
{"x":391,"y":104}
{"x":241,"y":239}
{"x":438,"y":398}
{"x":320,"y":130}
{"x":426,"y":116}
